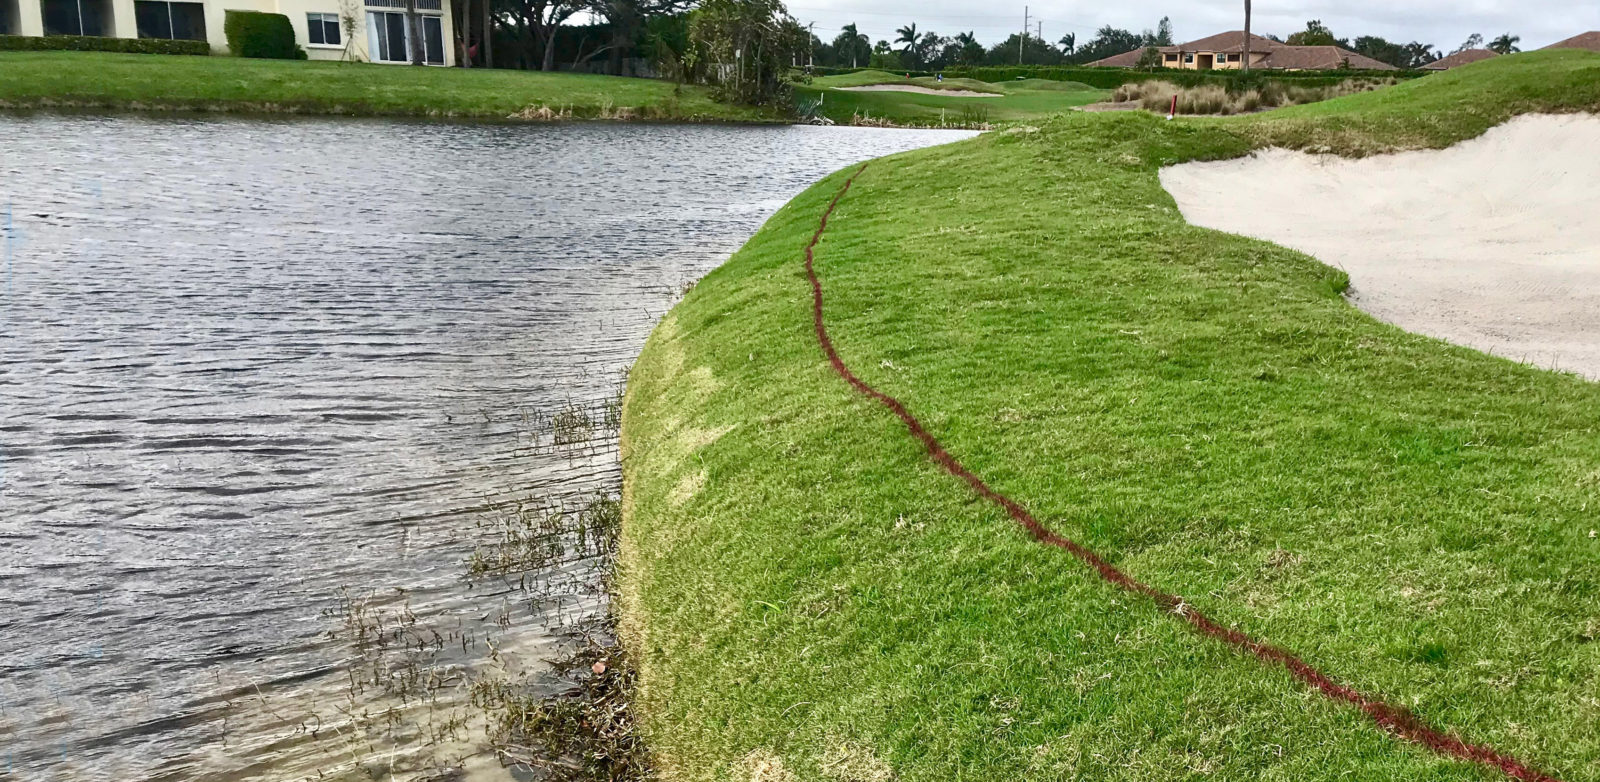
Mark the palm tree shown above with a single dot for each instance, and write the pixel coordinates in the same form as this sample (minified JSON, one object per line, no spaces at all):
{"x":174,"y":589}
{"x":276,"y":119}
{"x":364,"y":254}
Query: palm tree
{"x":1505,"y":44}
{"x":1069,"y":43}
{"x":1244,"y":57}
{"x":971,"y":50}
{"x":908,"y":36}
{"x":851,"y":39}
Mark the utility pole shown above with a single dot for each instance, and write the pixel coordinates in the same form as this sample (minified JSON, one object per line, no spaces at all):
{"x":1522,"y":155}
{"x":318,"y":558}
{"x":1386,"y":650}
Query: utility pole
{"x":1040,"y":39}
{"x":1244,"y":62}
{"x":1022,"y":43}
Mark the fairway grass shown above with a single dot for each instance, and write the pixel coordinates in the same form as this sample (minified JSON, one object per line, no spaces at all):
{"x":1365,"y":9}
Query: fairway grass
{"x":1018,"y":101}
{"x":100,"y":80}
{"x":809,"y":597}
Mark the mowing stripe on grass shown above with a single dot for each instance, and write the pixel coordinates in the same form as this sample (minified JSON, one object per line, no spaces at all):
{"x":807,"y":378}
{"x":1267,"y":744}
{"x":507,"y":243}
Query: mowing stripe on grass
{"x":1396,"y":720}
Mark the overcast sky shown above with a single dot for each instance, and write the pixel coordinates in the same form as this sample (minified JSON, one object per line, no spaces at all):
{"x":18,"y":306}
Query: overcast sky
{"x":1443,"y":24}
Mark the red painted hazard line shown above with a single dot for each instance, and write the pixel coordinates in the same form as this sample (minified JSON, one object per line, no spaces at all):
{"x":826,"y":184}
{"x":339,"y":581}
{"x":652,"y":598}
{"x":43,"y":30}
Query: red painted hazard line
{"x":1394,"y":719}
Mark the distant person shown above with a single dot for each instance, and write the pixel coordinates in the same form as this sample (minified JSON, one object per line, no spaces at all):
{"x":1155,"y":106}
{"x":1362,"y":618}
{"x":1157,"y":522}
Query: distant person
{"x":939,"y":77}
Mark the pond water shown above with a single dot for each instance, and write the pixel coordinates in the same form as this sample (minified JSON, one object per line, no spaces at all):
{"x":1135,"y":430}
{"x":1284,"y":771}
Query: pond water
{"x":264,"y":384}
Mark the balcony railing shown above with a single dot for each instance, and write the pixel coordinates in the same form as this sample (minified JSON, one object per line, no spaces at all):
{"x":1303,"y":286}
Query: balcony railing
{"x":422,"y":5}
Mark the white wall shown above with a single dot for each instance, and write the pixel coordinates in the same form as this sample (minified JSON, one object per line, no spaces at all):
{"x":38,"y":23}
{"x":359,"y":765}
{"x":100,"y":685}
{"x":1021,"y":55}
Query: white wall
{"x":31,"y":22}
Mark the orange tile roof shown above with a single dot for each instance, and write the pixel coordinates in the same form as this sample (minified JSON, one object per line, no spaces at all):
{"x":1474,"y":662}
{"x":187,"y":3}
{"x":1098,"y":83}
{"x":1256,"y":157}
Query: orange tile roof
{"x":1589,"y":40}
{"x":1460,"y":58}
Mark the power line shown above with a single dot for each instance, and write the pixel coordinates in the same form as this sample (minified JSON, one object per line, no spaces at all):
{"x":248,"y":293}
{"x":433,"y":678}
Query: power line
{"x":812,"y":11}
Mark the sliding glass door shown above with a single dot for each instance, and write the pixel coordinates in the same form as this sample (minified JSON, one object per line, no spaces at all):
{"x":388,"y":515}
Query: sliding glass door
{"x":175,"y":21}
{"x":389,"y":37}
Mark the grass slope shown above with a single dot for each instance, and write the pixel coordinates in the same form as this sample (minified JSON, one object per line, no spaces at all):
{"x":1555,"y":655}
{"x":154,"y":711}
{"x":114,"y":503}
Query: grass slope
{"x":146,"y":81}
{"x":1019,"y":101}
{"x":808,"y":597}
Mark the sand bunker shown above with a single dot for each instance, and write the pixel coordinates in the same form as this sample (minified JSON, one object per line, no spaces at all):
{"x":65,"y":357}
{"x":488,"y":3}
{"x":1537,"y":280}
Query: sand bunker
{"x":919,"y":90}
{"x":1492,"y":243}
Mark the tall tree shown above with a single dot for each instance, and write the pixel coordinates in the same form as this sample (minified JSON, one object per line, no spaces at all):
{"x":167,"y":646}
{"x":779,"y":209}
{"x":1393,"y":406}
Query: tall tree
{"x":486,"y":32}
{"x":1382,"y":50}
{"x":757,"y":38}
{"x":414,"y":27}
{"x":967,"y":50}
{"x":928,"y":47}
{"x":538,"y":22}
{"x":461,"y":10}
{"x":1069,"y":44}
{"x":626,"y":17}
{"x":1420,"y":54}
{"x":851,"y":44}
{"x":1505,"y":44}
{"x":1161,"y":36}
{"x":1474,"y":41}
{"x":1108,"y":41}
{"x":1244,"y":58}
{"x":1032,"y":50}
{"x":910,"y":37}
{"x":1315,"y":34}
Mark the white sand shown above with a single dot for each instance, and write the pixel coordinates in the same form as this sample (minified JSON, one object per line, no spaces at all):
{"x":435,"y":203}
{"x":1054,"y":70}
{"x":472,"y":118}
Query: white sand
{"x":919,"y":89}
{"x":1492,"y":243}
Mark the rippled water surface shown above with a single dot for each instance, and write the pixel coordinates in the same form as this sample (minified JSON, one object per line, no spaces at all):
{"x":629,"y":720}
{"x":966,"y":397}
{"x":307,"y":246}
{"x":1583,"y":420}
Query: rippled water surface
{"x":249,"y":363}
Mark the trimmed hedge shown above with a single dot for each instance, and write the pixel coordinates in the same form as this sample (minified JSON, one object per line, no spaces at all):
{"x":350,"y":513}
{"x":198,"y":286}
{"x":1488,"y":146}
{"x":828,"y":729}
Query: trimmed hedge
{"x":93,"y":43}
{"x":261,"y":35}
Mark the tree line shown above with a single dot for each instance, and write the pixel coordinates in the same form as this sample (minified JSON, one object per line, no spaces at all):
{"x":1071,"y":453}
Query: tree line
{"x":1401,"y":55}
{"x":748,"y":50}
{"x":632,"y":36}
{"x":917,"y":50}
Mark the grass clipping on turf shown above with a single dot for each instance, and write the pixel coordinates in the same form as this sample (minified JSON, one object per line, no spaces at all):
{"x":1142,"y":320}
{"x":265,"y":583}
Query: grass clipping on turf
{"x":1203,"y":409}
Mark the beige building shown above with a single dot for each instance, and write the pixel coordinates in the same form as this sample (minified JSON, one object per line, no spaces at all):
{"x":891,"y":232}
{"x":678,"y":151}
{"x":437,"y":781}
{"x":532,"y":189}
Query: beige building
{"x":1227,"y":51}
{"x":382,"y":34}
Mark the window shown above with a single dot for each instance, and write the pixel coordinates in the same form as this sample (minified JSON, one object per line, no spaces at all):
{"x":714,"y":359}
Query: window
{"x":1172,"y":58}
{"x":76,"y":17}
{"x":323,"y":30}
{"x":173,"y":21}
{"x":1188,"y":57}
{"x":389,"y":37}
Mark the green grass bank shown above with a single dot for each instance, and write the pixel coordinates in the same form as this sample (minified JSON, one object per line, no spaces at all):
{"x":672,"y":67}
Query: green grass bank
{"x":1014,"y":101}
{"x":808,"y":597}
{"x":101,"y":80}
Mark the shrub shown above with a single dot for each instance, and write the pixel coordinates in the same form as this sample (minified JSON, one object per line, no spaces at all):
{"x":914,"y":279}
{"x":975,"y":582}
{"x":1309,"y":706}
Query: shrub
{"x":1156,"y":95}
{"x":263,"y":35}
{"x":91,"y":43}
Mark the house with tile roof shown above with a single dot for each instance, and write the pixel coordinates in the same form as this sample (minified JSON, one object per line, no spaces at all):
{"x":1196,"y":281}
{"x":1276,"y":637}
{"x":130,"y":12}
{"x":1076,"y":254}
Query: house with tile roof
{"x":1463,"y":57}
{"x":1227,"y":51}
{"x":1589,"y":40}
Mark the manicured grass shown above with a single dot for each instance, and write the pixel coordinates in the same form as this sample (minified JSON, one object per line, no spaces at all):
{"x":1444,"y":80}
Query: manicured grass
{"x":142,"y":81}
{"x":868,"y":78}
{"x":1023,"y":100}
{"x":810,"y":598}
{"x":909,"y":108}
